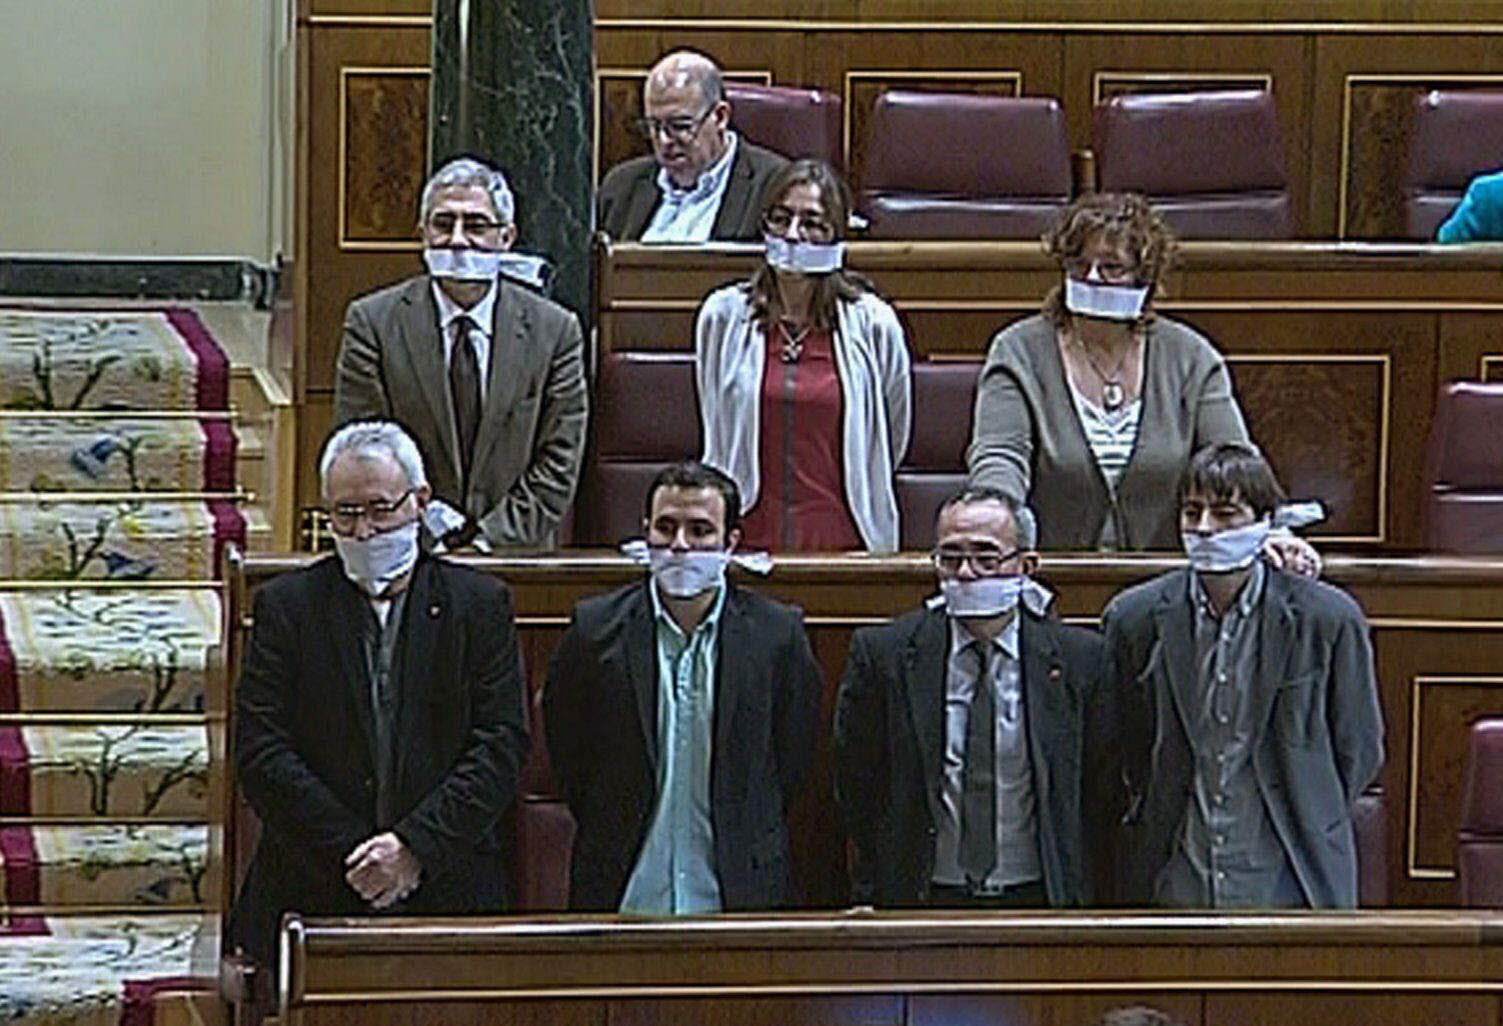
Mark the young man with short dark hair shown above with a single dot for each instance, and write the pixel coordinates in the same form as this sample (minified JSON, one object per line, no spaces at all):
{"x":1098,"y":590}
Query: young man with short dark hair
{"x":1246,"y":710}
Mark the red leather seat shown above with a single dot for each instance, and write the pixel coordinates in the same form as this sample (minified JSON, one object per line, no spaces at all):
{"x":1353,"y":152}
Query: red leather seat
{"x":1479,"y":840}
{"x":963,"y":166}
{"x":544,"y":836}
{"x":1458,"y":134}
{"x":944,"y":394}
{"x":646,"y":418}
{"x":1212,"y":163}
{"x":1464,"y":502}
{"x":794,"y":122}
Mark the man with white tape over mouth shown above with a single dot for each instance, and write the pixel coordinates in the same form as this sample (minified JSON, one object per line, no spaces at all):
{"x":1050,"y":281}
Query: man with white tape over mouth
{"x":485,"y":371}
{"x":1245,"y":709}
{"x":680,"y":715}
{"x":958,"y":730}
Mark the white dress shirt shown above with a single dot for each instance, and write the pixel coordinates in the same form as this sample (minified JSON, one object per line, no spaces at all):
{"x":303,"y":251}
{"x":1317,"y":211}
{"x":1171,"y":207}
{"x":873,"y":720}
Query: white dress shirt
{"x":688,"y":215}
{"x":1016,"y":804}
{"x":482,"y":320}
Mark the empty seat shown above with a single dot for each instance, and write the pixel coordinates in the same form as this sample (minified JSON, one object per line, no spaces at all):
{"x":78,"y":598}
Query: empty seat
{"x":1479,"y":839}
{"x":1464,"y":501}
{"x":793,"y":122}
{"x":1458,"y":134}
{"x":1212,"y":163}
{"x":944,"y":393}
{"x":646,"y":418}
{"x":962,"y":166}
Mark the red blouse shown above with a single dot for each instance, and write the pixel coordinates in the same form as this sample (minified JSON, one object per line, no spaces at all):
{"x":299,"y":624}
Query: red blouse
{"x":801,"y":505}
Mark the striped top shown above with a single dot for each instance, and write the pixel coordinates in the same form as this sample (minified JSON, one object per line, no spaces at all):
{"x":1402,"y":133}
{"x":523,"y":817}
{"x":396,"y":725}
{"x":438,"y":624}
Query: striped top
{"x":1110,"y":435}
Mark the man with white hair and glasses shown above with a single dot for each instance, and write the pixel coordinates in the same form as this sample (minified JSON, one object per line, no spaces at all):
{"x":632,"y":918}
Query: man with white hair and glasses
{"x":487,"y":373}
{"x":701,"y":182}
{"x":378,"y":716}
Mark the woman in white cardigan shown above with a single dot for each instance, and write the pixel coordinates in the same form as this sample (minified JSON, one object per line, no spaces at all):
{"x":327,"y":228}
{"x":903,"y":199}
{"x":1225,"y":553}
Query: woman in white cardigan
{"x":803,"y":378}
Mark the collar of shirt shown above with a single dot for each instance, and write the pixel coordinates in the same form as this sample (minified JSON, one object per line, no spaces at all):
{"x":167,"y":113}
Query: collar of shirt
{"x":709,"y":182}
{"x":1008,"y":640}
{"x":482,"y":314}
{"x":1247,"y":599}
{"x":660,"y":613}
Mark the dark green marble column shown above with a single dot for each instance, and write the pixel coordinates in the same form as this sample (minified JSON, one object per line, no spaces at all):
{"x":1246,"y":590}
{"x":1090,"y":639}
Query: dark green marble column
{"x":512,"y":82}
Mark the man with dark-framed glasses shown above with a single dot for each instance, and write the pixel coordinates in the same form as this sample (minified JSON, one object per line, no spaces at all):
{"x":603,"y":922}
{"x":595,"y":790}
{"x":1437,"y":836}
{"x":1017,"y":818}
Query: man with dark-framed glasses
{"x":485,"y":371}
{"x":379,"y":724}
{"x":959,"y":730}
{"x":701,"y":182}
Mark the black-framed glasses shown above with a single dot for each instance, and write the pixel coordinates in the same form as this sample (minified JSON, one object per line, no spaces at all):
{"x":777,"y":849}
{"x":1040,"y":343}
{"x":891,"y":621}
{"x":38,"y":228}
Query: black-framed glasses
{"x":382,"y":514}
{"x":811,"y":227}
{"x":984,"y":561}
{"x":680,"y":129}
{"x":475,"y":225}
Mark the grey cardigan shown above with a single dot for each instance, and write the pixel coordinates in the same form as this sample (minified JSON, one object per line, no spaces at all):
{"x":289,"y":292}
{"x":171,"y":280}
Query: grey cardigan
{"x":1028,"y":442}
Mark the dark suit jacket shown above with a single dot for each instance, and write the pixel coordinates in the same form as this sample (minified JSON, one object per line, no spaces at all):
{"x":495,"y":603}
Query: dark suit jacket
{"x":600,"y":713}
{"x":532,"y":425}
{"x":303,"y":730}
{"x":1319,"y":727}
{"x":890,"y":749}
{"x":629,"y":195}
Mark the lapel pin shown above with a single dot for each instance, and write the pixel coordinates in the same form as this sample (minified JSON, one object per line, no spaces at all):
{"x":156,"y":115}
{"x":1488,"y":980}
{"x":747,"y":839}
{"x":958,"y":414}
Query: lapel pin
{"x":1054,"y":673}
{"x":433,"y":611}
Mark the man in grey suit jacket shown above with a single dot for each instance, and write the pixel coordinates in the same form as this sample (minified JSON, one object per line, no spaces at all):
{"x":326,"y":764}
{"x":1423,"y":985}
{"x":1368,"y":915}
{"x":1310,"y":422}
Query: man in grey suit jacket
{"x":486,"y":374}
{"x":1244,"y":704}
{"x":906,"y":756}
{"x":701,"y":182}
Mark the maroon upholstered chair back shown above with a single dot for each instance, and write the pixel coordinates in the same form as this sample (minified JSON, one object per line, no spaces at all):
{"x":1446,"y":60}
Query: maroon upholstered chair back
{"x":1464,"y":500}
{"x":1370,"y":820}
{"x":646,"y":418}
{"x":957,"y":166}
{"x":1211,"y":162}
{"x":1479,"y":840}
{"x":1458,"y":134}
{"x":544,"y":828}
{"x":793,"y":122}
{"x":944,"y":394}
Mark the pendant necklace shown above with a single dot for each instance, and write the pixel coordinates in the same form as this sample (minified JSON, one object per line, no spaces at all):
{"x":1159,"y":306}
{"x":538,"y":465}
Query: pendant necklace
{"x":1112,"y":393}
{"x":793,"y":341}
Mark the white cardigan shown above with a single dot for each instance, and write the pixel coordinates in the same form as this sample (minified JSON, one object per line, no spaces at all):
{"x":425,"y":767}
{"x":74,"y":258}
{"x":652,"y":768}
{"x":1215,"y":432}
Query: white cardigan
{"x":871,"y":355}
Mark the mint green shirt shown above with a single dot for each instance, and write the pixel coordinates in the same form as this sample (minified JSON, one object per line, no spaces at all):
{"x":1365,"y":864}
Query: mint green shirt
{"x":675,"y":873}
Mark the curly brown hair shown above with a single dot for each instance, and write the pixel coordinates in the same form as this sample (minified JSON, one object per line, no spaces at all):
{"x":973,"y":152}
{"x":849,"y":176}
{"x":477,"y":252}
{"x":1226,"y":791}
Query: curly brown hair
{"x":833,"y":287}
{"x":1125,"y":218}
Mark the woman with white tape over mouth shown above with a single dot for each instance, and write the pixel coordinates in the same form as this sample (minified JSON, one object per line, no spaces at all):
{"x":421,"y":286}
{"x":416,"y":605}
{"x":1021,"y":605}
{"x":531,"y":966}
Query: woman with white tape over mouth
{"x":1090,"y":410}
{"x":803,"y":379}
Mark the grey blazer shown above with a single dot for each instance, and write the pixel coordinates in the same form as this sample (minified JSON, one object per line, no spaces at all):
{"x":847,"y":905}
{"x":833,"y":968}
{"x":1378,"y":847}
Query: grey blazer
{"x":1319,"y":727}
{"x":629,"y":194}
{"x":532,"y":425}
{"x":1027,"y":439}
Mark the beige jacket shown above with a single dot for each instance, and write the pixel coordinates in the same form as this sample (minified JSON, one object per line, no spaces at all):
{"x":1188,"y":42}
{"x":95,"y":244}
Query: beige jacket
{"x":1028,"y":442}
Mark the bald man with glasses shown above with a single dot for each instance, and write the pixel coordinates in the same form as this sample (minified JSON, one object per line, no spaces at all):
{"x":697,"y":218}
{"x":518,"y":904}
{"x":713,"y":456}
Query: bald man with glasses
{"x":701,"y":182}
{"x":959,"y":730}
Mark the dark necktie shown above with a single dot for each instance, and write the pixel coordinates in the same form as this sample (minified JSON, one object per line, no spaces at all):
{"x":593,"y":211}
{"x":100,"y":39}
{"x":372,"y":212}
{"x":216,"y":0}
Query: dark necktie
{"x":464,"y":389}
{"x":978,"y":806}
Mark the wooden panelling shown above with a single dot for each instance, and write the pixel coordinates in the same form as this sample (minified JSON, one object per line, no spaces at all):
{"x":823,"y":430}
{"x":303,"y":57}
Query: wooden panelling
{"x":1394,"y":12}
{"x":1046,"y":1010}
{"x":1435,"y":621}
{"x":1106,"y":84}
{"x":383,"y":126}
{"x":873,"y":1010}
{"x":1248,"y":1008}
{"x":372,"y":12}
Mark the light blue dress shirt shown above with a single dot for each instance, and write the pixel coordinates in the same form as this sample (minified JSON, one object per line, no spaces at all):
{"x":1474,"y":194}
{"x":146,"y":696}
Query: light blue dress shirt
{"x":675,"y":874}
{"x":688,"y":215}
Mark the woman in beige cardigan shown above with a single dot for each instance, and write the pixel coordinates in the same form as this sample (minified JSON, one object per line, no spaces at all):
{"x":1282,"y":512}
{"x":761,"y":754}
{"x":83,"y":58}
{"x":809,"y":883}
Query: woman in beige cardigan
{"x":1091,"y":410}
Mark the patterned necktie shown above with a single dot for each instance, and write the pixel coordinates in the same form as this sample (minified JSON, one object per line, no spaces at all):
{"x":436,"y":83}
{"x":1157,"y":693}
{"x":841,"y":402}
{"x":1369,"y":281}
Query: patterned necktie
{"x":978,"y":807}
{"x":464,"y":389}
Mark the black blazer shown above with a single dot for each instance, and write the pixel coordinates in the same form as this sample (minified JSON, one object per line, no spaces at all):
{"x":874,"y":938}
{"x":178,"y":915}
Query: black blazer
{"x":629,"y":194}
{"x":303,"y":731}
{"x":890,"y":747}
{"x":600,"y":715}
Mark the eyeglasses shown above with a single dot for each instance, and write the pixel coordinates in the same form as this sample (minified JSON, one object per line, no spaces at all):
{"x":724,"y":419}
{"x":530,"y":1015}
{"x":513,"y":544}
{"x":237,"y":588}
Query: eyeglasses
{"x":443,"y":223}
{"x":1081,"y":268}
{"x":984,"y":561}
{"x":680,"y":129}
{"x":811,"y":227}
{"x":381,"y":514}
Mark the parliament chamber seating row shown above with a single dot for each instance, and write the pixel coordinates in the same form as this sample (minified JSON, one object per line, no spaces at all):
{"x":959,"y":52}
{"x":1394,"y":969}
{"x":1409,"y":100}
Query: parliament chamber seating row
{"x":1479,"y":847}
{"x":958,"y":165}
{"x":1464,"y":502}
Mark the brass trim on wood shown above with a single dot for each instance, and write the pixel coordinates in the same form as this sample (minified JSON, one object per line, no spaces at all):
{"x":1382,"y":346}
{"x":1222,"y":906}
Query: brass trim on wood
{"x":1344,"y":168}
{"x":1486,"y":361}
{"x":1411,"y":860}
{"x":1060,"y":27}
{"x":345,"y":242}
{"x":370,"y":20}
{"x":1263,"y":79}
{"x":1013,"y":75}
